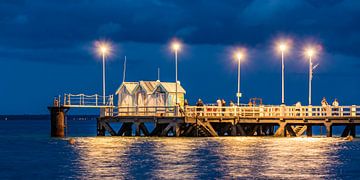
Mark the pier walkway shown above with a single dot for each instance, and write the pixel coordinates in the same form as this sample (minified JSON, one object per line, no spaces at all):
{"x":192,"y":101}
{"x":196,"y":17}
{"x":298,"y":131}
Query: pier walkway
{"x":244,"y":120}
{"x":232,"y":120}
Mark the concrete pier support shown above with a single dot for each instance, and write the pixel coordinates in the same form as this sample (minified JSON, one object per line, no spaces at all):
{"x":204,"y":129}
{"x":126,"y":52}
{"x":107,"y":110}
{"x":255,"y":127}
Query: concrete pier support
{"x":100,"y":129}
{"x":328,"y":129}
{"x":57,"y":118}
{"x":309,"y":131}
{"x":233,"y":130}
{"x":353,"y":131}
{"x":350,"y":130}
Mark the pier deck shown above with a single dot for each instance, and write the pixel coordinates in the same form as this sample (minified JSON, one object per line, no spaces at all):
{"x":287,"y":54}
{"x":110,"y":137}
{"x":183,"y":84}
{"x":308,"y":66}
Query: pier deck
{"x":229,"y":120}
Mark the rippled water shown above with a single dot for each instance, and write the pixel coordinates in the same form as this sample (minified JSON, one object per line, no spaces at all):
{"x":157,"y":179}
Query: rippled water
{"x":29,"y":153}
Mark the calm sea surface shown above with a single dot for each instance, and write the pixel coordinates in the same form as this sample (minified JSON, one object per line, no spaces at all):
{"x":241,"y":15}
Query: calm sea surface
{"x":27,"y":152}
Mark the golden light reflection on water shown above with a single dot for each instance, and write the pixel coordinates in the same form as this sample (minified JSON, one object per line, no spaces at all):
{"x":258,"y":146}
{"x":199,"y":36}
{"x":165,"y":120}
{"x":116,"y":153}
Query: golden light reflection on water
{"x":194,"y":158}
{"x":288,"y":158}
{"x":102,"y":157}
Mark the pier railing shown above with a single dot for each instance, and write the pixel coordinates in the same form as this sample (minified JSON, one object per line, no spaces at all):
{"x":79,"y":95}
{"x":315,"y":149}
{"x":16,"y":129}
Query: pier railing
{"x":83,"y":100}
{"x":273,"y":111}
{"x":240,"y":111}
{"x":146,"y":111}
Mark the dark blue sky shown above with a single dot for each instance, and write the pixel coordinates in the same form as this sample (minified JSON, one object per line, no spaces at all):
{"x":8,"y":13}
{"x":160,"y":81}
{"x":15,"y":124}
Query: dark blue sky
{"x":46,"y":48}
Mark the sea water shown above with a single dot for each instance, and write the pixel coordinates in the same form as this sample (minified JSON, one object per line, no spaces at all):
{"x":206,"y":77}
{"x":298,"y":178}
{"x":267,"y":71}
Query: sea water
{"x":27,"y":152}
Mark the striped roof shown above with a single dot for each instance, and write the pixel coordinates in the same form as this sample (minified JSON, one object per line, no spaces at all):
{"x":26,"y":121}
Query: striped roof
{"x":150,"y":87}
{"x":170,"y":87}
{"x":129,"y":86}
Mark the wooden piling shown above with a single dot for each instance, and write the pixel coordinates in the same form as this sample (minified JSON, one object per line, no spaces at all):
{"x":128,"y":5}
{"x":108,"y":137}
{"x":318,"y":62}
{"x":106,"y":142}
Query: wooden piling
{"x":309,"y":130}
{"x":328,"y":129}
{"x":57,"y":118}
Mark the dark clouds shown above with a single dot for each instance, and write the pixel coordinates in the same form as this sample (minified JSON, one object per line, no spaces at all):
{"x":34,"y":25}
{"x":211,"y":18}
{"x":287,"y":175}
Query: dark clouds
{"x":38,"y":24}
{"x":59,"y":33}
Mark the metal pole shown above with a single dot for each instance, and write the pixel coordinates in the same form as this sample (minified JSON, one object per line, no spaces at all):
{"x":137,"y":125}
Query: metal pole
{"x":124,"y":72}
{"x":238,"y":91}
{"x":176,"y":83}
{"x":103,"y":59}
{"x":282,"y":78}
{"x":310,"y":78}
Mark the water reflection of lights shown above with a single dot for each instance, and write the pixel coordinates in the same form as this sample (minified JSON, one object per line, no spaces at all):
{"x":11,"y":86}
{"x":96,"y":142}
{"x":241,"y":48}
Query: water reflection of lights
{"x":174,"y":158}
{"x":243,"y":157}
{"x":301,"y":158}
{"x":102,"y":156}
{"x":193,"y":158}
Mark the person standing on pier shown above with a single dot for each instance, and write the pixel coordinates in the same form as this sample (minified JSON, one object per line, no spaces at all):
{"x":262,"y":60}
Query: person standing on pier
{"x":335,"y":104}
{"x":199,"y":103}
{"x":298,"y":108}
{"x":223,"y":104}
{"x":219,"y":104}
{"x":186,"y":103}
{"x":232,"y":105}
{"x":324,"y":105}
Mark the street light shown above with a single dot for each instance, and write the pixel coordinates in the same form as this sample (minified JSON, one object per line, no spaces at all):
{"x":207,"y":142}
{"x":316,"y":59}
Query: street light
{"x":104,"y":49}
{"x":239,"y":55}
{"x":282,"y":47}
{"x":310,"y":52}
{"x":176,"y":47}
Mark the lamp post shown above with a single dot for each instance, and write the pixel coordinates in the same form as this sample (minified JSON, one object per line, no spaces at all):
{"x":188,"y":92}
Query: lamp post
{"x":103,"y":50}
{"x":176,"y":47}
{"x":282,"y":47}
{"x":239,"y":55}
{"x":310,"y":53}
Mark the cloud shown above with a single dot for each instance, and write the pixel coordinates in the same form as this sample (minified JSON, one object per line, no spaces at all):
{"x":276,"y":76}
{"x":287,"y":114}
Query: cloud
{"x":69,"y":23}
{"x":109,"y":28}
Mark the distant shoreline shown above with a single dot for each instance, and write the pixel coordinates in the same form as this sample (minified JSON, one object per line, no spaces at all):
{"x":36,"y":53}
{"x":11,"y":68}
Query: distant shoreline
{"x":45,"y":117}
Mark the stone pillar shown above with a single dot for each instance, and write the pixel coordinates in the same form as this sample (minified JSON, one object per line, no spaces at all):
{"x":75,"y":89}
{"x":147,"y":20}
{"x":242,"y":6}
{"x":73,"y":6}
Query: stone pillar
{"x":233,"y":130}
{"x":353,"y":130}
{"x":328,"y":129}
{"x":57,"y":118}
{"x":100,"y":128}
{"x":137,"y":129}
{"x":309,"y":130}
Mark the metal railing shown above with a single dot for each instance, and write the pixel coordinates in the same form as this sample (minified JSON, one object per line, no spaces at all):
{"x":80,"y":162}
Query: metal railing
{"x":82,"y":100}
{"x":273,"y":111}
{"x":147,"y":111}
{"x":240,"y":111}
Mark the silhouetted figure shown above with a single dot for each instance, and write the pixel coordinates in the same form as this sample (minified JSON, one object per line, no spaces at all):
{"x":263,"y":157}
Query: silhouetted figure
{"x":298,"y":108}
{"x":223,"y":104}
{"x":186,"y":103}
{"x":231,"y":103}
{"x":324,"y":105}
{"x":335,"y":105}
{"x":199,"y":109}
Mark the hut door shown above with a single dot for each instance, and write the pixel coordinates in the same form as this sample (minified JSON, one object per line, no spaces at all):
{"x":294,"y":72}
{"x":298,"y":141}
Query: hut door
{"x":140,"y":99}
{"x":161,"y":99}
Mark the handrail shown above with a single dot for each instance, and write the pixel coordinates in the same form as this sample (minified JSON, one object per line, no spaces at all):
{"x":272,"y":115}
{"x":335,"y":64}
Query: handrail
{"x":148,"y":111}
{"x":241,"y":111}
{"x":273,"y":111}
{"x":79,"y":100}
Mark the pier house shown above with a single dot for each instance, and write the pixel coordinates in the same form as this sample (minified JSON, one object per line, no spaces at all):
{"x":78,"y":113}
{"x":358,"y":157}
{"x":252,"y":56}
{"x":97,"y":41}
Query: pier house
{"x":149,"y":93}
{"x":126,"y":95}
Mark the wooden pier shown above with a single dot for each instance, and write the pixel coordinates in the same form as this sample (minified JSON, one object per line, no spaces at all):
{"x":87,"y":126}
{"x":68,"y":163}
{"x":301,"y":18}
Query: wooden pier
{"x":212,"y":121}
{"x":208,"y":121}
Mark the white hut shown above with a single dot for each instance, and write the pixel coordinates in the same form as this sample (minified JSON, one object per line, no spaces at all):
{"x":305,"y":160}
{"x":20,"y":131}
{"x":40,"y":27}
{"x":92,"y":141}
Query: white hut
{"x":166,"y":92}
{"x":149,"y":93}
{"x":144,"y":93}
{"x":126,"y":96}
